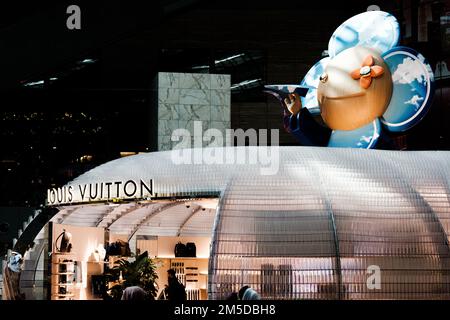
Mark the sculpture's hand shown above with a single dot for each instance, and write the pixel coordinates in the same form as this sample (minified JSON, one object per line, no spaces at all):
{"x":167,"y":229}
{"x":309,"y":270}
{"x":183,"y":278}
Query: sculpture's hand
{"x":293,"y":103}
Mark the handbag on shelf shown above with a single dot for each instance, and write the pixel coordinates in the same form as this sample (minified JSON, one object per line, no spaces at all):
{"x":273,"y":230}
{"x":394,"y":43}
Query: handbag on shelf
{"x":180,"y":250}
{"x":191,"y":250}
{"x":119,"y":248}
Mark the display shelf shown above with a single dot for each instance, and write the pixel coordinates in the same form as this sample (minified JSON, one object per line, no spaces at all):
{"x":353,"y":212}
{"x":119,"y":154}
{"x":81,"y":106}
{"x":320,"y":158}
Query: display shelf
{"x":64,"y":253}
{"x":187,"y":271}
{"x":63,"y":275}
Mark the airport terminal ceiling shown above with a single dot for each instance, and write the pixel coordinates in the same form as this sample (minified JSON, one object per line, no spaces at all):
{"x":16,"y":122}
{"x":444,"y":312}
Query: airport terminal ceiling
{"x":108,"y":81}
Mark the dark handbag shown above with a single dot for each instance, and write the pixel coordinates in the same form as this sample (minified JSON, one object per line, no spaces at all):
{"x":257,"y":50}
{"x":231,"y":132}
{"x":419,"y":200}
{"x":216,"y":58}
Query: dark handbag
{"x":180,"y":250}
{"x":98,"y":285}
{"x":119,"y":248}
{"x":124,"y":248}
{"x":191,"y":250}
{"x":112,"y":249}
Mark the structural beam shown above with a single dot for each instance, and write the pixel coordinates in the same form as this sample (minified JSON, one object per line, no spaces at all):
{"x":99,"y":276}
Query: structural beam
{"x":152,"y":214}
{"x":194,"y":212}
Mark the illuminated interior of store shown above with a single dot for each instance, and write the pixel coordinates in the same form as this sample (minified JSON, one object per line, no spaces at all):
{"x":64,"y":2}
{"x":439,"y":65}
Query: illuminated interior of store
{"x":152,"y":227}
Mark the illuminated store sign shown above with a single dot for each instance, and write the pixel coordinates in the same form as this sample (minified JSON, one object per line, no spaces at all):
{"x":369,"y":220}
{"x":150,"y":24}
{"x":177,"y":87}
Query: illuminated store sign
{"x":101,"y":191}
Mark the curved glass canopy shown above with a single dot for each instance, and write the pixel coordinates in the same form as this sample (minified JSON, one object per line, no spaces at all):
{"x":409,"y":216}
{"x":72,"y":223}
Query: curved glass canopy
{"x":314,"y":230}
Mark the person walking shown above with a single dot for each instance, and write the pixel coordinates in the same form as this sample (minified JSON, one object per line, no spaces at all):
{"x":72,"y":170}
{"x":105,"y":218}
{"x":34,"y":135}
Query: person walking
{"x":175,"y":290}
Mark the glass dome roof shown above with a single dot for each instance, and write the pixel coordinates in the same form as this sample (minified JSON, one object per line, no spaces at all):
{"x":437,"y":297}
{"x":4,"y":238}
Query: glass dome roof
{"x":312,"y":230}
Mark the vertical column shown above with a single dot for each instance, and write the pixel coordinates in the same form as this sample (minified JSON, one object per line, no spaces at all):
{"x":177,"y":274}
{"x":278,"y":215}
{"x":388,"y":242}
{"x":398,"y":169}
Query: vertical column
{"x":184,"y":98}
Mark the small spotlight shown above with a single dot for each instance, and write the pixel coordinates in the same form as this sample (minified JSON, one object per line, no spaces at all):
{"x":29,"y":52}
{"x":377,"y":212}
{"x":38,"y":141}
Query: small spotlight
{"x":87,"y":61}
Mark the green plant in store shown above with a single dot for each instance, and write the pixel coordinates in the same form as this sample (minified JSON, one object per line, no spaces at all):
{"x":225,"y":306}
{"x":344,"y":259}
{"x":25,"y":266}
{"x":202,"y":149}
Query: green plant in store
{"x":140,"y":272}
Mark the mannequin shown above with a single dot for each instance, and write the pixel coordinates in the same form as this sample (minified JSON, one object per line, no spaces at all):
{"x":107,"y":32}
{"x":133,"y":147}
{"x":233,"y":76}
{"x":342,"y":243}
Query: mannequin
{"x":11,"y":277}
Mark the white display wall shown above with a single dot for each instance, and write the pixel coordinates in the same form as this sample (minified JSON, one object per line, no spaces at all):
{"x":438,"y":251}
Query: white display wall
{"x":85,"y":241}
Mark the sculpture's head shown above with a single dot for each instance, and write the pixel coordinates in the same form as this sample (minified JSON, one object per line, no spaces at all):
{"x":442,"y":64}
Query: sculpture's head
{"x":354,"y":89}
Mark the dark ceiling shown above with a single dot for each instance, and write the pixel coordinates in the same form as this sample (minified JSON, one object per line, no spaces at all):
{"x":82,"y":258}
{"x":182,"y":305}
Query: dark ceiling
{"x":66,"y":94}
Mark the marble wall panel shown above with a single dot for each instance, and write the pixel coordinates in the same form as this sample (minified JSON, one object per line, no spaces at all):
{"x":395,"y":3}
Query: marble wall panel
{"x":184,"y":98}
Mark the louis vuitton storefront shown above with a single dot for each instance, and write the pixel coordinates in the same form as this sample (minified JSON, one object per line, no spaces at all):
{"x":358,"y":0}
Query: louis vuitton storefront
{"x":329,"y":224}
